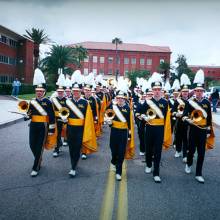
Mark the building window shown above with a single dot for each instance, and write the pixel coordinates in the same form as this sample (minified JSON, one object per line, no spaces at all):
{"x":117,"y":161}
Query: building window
{"x":161,"y":61}
{"x":126,"y":72}
{"x":86,"y":60}
{"x":142,"y":61}
{"x":149,"y":62}
{"x":94,"y":59}
{"x":102,"y":59}
{"x":3,"y":79}
{"x":101,"y":71}
{"x":118,"y":60}
{"x":3,"y":39}
{"x":94,"y":71}
{"x":110,"y":72}
{"x":12,"y":61}
{"x":110,"y":59}
{"x":86,"y":71}
{"x":126,"y":60}
{"x":133,"y":60}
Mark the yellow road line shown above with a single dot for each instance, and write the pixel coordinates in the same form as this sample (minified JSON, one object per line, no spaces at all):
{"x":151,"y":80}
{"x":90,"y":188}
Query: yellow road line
{"x":108,"y":201}
{"x":122,"y":212}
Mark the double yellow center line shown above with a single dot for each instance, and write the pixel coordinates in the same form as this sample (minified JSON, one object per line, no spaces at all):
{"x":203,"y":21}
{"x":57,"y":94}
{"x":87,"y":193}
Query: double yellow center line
{"x":109,"y":197}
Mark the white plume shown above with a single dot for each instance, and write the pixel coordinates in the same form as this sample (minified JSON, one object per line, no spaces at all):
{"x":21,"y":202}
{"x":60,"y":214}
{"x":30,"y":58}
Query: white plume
{"x":61,"y":80}
{"x":76,"y":76}
{"x":68,"y":82}
{"x":156,"y":77}
{"x":176,"y":84}
{"x":89,"y":79}
{"x":167,"y":86}
{"x":199,"y":77}
{"x":184,"y":80}
{"x":38,"y":77}
{"x":99,"y":78}
{"x":122,"y":85}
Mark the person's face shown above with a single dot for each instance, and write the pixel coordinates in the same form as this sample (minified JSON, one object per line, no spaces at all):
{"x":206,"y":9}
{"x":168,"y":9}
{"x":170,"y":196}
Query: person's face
{"x":97,"y":88}
{"x":76,"y":94}
{"x":185,"y":94}
{"x":87,"y":92}
{"x":39,"y":93}
{"x":199,"y":93}
{"x":157,"y":92}
{"x":68,"y":93}
{"x":149,"y":96}
{"x":60,"y":94}
{"x":175,"y":95}
{"x":120,"y":100}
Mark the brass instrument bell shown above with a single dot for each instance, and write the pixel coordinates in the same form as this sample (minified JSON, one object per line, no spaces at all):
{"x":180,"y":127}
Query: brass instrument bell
{"x":109,"y":114}
{"x":64,"y":112}
{"x":23,"y":106}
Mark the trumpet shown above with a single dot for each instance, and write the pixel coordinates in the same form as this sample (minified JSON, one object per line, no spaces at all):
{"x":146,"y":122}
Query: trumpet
{"x":23,"y":106}
{"x":64,"y":112}
{"x":180,"y":109}
{"x":150,"y":114}
{"x":109,"y":114}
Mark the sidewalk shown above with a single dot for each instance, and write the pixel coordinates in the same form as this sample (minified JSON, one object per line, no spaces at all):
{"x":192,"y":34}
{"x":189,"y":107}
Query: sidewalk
{"x":8,"y":104}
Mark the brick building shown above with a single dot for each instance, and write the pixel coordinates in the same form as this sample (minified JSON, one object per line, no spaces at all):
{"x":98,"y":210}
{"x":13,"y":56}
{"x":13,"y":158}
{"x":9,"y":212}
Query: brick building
{"x":102,"y":58}
{"x":16,"y":57}
{"x":210,"y":71}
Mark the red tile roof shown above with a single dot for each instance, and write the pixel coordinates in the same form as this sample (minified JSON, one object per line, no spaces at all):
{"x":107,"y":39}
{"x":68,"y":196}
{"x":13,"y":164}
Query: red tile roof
{"x":122,"y":47}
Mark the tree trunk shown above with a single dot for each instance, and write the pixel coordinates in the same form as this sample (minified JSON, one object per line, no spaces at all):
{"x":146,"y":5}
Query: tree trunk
{"x":36,"y":55}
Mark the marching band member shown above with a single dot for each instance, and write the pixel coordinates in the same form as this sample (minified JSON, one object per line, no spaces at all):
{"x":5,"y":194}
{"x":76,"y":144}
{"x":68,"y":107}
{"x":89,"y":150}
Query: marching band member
{"x":98,"y":109}
{"x":89,"y":81}
{"x":42,"y":120}
{"x":140,"y":123}
{"x":58,"y":103}
{"x":176,"y":91}
{"x":177,"y":111}
{"x":68,"y":95}
{"x":155,"y":112}
{"x":80,"y":128}
{"x":121,"y":131}
{"x":102,"y":97}
{"x":197,"y":113}
{"x":68,"y":86}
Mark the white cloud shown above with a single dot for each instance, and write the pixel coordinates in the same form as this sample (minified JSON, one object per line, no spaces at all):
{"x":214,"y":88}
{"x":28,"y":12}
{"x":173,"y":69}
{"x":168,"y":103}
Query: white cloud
{"x":189,"y":28}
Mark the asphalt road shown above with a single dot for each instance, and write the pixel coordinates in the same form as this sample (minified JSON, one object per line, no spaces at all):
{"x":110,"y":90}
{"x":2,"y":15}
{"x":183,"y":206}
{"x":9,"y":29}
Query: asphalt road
{"x":94,"y":193}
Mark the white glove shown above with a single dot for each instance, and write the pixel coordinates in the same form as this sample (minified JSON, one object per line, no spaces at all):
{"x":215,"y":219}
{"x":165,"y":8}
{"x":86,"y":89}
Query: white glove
{"x":189,"y":121}
{"x":178,"y":115}
{"x":145,"y":117}
{"x":64,"y":119}
{"x":109,"y":122}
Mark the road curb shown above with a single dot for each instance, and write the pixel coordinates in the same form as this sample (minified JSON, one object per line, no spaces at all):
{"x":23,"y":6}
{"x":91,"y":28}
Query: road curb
{"x":11,"y":123}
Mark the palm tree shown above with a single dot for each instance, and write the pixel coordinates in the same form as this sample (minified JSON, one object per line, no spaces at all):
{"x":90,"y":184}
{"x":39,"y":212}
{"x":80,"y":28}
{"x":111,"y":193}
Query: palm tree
{"x":38,"y":36}
{"x":80,"y":53}
{"x":116,"y":41}
{"x":164,"y":68}
{"x":59,"y":57}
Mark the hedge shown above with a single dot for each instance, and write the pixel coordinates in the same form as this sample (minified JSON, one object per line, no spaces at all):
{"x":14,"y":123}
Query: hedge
{"x":6,"y":89}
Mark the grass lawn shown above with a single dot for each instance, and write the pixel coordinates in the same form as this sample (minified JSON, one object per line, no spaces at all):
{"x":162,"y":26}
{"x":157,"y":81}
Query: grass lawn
{"x":30,"y":96}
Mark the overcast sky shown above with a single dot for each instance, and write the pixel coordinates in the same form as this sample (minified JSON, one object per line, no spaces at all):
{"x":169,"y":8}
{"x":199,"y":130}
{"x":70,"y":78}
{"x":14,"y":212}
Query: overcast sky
{"x":188,"y":27}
